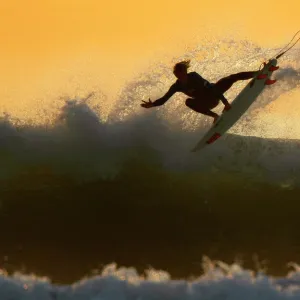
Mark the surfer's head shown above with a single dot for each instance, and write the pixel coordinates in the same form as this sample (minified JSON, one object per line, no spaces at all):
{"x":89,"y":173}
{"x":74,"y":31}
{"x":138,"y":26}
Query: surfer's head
{"x":180,"y":69}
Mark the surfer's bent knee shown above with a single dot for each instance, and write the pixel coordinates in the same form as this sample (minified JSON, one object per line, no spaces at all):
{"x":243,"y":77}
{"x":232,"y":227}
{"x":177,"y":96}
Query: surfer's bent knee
{"x":189,"y":102}
{"x":195,"y":105}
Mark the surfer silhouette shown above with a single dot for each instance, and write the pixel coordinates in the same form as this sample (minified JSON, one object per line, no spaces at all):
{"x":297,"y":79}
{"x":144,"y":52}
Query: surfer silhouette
{"x":204,"y":95}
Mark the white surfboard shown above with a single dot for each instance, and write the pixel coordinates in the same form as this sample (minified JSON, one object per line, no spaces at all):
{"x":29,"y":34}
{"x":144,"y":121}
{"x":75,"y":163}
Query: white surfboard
{"x":238,"y":107}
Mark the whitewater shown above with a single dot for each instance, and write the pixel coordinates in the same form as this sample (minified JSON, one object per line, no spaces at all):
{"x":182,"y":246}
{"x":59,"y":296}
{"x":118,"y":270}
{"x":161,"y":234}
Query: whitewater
{"x":220,"y":281}
{"x":128,"y":163}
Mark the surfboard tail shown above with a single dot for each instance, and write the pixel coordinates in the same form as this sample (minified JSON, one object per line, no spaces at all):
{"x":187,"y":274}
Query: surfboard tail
{"x":239,"y":105}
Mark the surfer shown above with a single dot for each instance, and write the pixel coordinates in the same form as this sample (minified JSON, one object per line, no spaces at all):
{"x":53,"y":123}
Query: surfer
{"x":204,"y":95}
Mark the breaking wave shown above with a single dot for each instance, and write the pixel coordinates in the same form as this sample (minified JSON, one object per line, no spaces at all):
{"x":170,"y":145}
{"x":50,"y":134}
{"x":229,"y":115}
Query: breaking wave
{"x":91,"y":160}
{"x":218,"y":282}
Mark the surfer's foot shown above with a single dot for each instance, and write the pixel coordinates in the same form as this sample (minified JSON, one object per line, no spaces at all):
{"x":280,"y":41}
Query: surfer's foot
{"x":215,"y":118}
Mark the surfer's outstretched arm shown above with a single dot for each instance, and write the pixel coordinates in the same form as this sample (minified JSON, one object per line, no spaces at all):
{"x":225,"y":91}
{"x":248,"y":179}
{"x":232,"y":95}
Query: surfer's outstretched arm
{"x":172,"y":90}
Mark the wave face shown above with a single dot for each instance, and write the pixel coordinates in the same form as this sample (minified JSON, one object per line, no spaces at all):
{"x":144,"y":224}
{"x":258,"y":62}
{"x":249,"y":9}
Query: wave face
{"x":124,"y":180}
{"x":85,"y":143}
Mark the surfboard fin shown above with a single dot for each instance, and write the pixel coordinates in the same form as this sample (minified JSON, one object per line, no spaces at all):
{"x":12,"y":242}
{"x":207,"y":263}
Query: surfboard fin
{"x":270,"y":81}
{"x":273,"y":68}
{"x":262,"y":76}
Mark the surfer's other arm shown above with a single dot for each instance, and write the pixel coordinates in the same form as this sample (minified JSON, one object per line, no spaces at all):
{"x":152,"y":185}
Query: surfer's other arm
{"x":172,"y":90}
{"x":225,"y":102}
{"x":222,"y":98}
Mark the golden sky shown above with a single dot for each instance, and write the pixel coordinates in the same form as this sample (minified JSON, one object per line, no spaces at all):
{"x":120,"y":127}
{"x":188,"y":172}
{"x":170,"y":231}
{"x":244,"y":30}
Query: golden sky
{"x":46,"y":45}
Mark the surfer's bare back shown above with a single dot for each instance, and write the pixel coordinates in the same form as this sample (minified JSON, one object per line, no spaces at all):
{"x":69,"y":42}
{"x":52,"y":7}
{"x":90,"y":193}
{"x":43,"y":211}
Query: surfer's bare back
{"x":204,"y":95}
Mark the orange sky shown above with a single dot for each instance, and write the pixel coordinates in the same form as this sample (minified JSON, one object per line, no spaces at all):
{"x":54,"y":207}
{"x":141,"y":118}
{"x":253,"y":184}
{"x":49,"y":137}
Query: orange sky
{"x":46,"y":44}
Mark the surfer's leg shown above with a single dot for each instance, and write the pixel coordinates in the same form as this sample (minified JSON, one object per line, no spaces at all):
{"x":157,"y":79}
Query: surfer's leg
{"x":225,"y":83}
{"x":197,"y":106}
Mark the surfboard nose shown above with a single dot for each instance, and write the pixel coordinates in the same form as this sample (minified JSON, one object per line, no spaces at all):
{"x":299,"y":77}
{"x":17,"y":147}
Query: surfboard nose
{"x":213,"y":138}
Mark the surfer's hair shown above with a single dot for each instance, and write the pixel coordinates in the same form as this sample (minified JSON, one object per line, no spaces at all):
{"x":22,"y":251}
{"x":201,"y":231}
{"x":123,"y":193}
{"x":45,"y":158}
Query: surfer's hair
{"x":182,"y":66}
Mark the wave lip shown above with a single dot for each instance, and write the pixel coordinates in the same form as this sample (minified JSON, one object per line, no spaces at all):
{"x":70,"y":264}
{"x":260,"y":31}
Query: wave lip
{"x":82,"y":146}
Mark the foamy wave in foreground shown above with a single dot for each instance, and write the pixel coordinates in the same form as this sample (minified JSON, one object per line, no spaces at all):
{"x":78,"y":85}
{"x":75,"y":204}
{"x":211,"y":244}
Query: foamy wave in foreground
{"x":219,"y":281}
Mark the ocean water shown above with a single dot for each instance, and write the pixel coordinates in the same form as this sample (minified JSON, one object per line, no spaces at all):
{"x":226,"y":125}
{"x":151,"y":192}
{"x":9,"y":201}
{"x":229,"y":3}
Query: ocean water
{"x":220,"y":281}
{"x":112,"y":193}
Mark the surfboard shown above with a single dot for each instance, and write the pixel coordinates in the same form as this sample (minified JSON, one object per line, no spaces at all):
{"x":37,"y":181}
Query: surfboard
{"x":239,"y":105}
